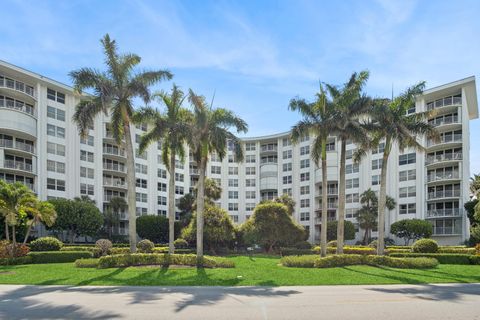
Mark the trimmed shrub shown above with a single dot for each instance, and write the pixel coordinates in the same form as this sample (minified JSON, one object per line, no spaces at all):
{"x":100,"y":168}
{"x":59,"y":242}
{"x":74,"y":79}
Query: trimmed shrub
{"x":353,"y":250}
{"x":399,"y":247}
{"x":332,"y":243}
{"x":86,"y":263}
{"x":303,"y":245}
{"x":356,"y":259}
{"x":141,"y":259}
{"x":305,"y":261}
{"x":456,"y":250}
{"x":477,"y":247}
{"x":58,"y":256}
{"x":395,"y":250}
{"x":443,"y":258}
{"x":119,"y":251}
{"x":474,"y":259}
{"x":180,"y":243}
{"x":46,"y":244}
{"x":15,"y":261}
{"x":339,"y":260}
{"x":94,"y":250}
{"x":179,"y":251}
{"x":145,"y":246}
{"x":8,"y":250}
{"x":425,"y":246}
{"x":295,"y":252}
{"x":104,"y":245}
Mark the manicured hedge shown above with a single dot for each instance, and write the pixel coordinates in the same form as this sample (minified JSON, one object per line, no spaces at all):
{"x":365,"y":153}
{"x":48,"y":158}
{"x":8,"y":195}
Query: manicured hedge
{"x":58,"y":256}
{"x":119,"y":251}
{"x":179,"y":251}
{"x":443,"y":258}
{"x":296,"y":252}
{"x":95,"y":251}
{"x":15,"y":261}
{"x":86,"y":263}
{"x":305,"y":261}
{"x":141,"y":259}
{"x":330,"y":250}
{"x":456,"y":250}
{"x":46,"y":244}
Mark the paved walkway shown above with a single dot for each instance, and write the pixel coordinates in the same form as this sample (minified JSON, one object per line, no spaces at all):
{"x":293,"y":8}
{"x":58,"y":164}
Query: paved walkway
{"x":449,"y":301}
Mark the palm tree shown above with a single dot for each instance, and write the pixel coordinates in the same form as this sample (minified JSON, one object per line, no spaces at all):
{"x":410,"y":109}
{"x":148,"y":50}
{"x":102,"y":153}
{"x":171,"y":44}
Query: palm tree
{"x":43,"y":212}
{"x":317,"y":118}
{"x":210,"y":133}
{"x":171,"y":128}
{"x":113,"y":92}
{"x":390,"y":121}
{"x":350,"y":106}
{"x":475,"y":185}
{"x":367,"y":215}
{"x":16,"y":200}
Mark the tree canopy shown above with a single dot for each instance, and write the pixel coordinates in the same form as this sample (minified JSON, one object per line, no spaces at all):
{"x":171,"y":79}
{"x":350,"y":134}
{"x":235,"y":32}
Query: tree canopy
{"x":411,"y":229}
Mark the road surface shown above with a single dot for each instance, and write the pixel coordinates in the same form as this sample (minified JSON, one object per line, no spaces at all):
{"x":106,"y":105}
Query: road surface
{"x":425,"y":302}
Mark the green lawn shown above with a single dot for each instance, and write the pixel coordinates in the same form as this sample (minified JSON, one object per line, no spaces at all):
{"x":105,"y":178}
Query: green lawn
{"x":259,"y":270}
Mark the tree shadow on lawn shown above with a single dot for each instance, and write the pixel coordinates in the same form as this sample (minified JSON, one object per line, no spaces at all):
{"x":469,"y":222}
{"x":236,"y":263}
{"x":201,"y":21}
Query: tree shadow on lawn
{"x":437,"y":274}
{"x":403,"y":280}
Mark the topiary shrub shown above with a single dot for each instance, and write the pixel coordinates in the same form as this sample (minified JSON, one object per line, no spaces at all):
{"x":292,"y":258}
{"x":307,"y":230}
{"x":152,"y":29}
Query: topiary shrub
{"x":303,"y":245}
{"x":46,"y":244}
{"x":15,"y":261}
{"x":119,"y":251}
{"x":145,"y":246}
{"x":86,"y":263}
{"x":373,"y":260}
{"x":443,"y":258}
{"x":180,"y":243}
{"x":425,"y":246}
{"x":58,"y":256}
{"x":332,"y":243}
{"x":373,"y":244}
{"x":305,"y":261}
{"x":104,"y":245}
{"x":477,"y":247}
{"x":142,"y":259}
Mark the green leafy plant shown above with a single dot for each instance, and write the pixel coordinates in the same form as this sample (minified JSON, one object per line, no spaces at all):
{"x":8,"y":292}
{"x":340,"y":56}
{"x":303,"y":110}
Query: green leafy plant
{"x":58,"y":256}
{"x":86,"y":263}
{"x":180,"y":243}
{"x":140,"y":259}
{"x":145,"y":246}
{"x":425,"y":246}
{"x":46,"y":244}
{"x":104,"y":245}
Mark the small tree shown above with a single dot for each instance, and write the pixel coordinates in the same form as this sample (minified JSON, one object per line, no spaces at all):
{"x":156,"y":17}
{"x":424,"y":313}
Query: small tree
{"x":288,"y":202}
{"x":411,"y":229}
{"x":218,"y":228}
{"x":332,"y":228}
{"x":270,"y":226}
{"x":155,"y":228}
{"x":43,"y":212}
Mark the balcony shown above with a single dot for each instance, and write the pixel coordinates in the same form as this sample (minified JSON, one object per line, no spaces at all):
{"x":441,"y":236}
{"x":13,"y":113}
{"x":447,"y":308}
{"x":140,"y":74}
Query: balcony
{"x":318,"y":220}
{"x":443,"y":158}
{"x":269,"y":148}
{"x":114,"y":151}
{"x":443,"y":213}
{"x":445,"y":102}
{"x":17,"y":86}
{"x":443,"y":176}
{"x":114,"y":183}
{"x":18,"y":165}
{"x":114,"y":167}
{"x":456,"y":138}
{"x":443,"y":194}
{"x":443,"y":121}
{"x":330,"y":192}
{"x":194,"y":172}
{"x":10,"y":144}
{"x":447,"y":231}
{"x":17,"y":105}
{"x":108,"y":197}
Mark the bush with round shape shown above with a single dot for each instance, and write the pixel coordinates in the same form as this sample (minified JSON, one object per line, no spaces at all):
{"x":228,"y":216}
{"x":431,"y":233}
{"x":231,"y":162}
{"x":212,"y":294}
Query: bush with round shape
{"x":332,"y":243}
{"x":104,"y":245}
{"x":180,"y":243}
{"x":425,"y":246}
{"x":305,"y":261}
{"x":46,"y":244}
{"x":8,"y":250}
{"x":145,"y":246}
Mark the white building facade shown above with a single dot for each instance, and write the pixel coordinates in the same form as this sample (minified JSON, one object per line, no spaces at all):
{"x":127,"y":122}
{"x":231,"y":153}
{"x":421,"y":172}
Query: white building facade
{"x":40,"y":147}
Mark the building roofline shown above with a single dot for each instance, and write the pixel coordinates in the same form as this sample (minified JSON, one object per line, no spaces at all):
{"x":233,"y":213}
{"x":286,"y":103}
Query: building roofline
{"x":449,"y":85}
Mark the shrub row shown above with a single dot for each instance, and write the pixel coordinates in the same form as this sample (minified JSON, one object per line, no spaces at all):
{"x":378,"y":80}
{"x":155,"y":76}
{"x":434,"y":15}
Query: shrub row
{"x":15,"y":261}
{"x":141,"y":259}
{"x":456,"y":250}
{"x":358,"y":259}
{"x":58,"y":256}
{"x":330,"y":250}
{"x":179,"y":251}
{"x":444,"y":258}
{"x":46,"y":244}
{"x":86,"y":263}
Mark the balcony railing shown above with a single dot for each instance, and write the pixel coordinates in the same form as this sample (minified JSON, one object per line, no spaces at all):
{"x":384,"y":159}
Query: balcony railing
{"x":269,"y":148}
{"x":444,"y":176}
{"x":115,"y":183}
{"x":114,"y":167}
{"x":17,"y":86}
{"x":443,"y":194}
{"x":445,"y":139}
{"x":318,"y":220}
{"x":4,"y":143}
{"x":108,"y":197}
{"x":17,"y":105}
{"x":18,"y":165}
{"x":114,"y":151}
{"x":441,"y":213}
{"x":444,"y":120}
{"x":443,"y":158}
{"x":446,"y":231}
{"x":445,"y":102}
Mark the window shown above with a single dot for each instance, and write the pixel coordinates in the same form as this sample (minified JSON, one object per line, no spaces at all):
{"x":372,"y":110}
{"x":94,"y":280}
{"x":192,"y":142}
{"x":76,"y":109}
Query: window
{"x":86,"y":172}
{"x":143,"y":155}
{"x":287,"y":154}
{"x":250,"y":170}
{"x":232,"y":194}
{"x":249,"y":206}
{"x":407,"y":158}
{"x":214,"y":157}
{"x":407,"y":175}
{"x":408,"y":208}
{"x":216,"y":170}
{"x":141,"y":197}
{"x":304,"y":190}
{"x":55,"y":96}
{"x":377,"y":164}
{"x":351,"y":213}
{"x":304,"y":150}
{"x":179,"y":190}
{"x":250,"y":182}
{"x":305,"y":163}
{"x":352,"y":198}
{"x":269,"y":159}
{"x":305,"y":176}
{"x":352,"y":168}
{"x":141,"y":168}
{"x":330,"y":146}
{"x":162,"y":173}
{"x":179,"y":177}
{"x":411,"y":110}
{"x":233,"y":170}
{"x":87,"y":140}
{"x":85,"y":155}
{"x":352,"y":183}
{"x":250,"y":146}
{"x":234,"y":218}
{"x":51,"y":130}
{"x":250,"y":195}
{"x":162,"y":201}
{"x":250,"y":158}
{"x":349,"y":154}
{"x":54,"y":184}
{"x":233,"y":207}
{"x":162,"y":213}
{"x":286,"y":142}
{"x":54,"y":148}
{"x":375,"y":179}
{"x":233,"y":182}
{"x":304,"y":138}
{"x":287,"y":191}
{"x":86,"y":189}
{"x":304,"y":216}
{"x":55,"y":113}
{"x":287,"y":179}
{"x":141,"y":183}
{"x":141,"y":211}
{"x":407,"y":192}
{"x":379,"y":149}
{"x":178,"y":164}
{"x":287,"y":167}
{"x":304,"y":203}
{"x":162,"y":187}
{"x":55,"y":131}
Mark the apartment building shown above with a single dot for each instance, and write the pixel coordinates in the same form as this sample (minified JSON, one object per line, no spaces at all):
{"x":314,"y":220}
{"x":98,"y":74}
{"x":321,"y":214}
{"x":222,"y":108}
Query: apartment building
{"x":40,"y":147}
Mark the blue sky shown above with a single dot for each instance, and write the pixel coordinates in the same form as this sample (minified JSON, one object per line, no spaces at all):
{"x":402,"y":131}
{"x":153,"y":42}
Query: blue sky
{"x":255,"y":55}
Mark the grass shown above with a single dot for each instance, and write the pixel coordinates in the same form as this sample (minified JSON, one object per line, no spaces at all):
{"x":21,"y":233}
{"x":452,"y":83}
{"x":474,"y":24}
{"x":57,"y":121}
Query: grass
{"x":258,"y":270}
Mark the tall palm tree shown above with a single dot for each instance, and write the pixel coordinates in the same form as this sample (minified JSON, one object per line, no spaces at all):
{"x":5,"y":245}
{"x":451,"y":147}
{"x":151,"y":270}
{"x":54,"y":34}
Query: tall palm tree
{"x":113,"y":92}
{"x":43,"y":212}
{"x":115,"y":205}
{"x":317,"y":119}
{"x":171,"y":129}
{"x":390,"y":121}
{"x":475,"y":185}
{"x":210,"y":133}
{"x":16,"y":201}
{"x":350,"y":106}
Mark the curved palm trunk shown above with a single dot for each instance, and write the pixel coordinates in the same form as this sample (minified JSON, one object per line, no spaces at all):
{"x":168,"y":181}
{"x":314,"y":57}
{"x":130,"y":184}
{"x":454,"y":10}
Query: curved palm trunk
{"x":7,"y":232}
{"x":341,"y":200}
{"x":200,"y":206}
{"x":14,"y":237}
{"x":28,"y":232}
{"x":323,"y":230}
{"x":383,"y":199}
{"x":131,"y":185}
{"x":171,"y":204}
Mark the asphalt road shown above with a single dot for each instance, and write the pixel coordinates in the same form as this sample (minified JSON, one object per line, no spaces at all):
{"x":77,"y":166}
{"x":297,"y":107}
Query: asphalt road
{"x":448,"y":301}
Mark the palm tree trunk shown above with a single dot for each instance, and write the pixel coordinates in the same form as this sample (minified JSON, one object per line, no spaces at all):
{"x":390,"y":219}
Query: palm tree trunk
{"x":383,"y":199}
{"x":200,"y":206}
{"x":14,"y":237}
{"x":323,"y":230}
{"x":341,"y":199}
{"x":171,"y":204}
{"x":28,"y":232}
{"x":131,"y":184}
{"x":7,"y":233}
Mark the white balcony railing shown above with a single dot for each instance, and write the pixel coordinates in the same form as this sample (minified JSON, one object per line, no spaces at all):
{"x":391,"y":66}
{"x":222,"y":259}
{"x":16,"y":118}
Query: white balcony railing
{"x":445,"y":102}
{"x":443,"y":194}
{"x":17,"y":105}
{"x":114,"y":167}
{"x":269,"y":148}
{"x":443,"y":158}
{"x":445,"y":139}
{"x":441,"y":213}
{"x":114,"y":183}
{"x":18,"y":165}
{"x":444,"y":120}
{"x":443,"y":176}
{"x":114,"y":151}
{"x":4,"y":143}
{"x":17,"y":86}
